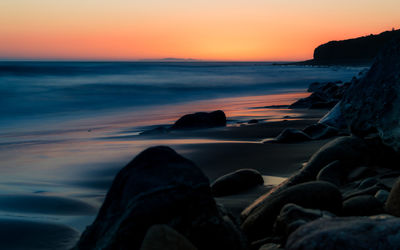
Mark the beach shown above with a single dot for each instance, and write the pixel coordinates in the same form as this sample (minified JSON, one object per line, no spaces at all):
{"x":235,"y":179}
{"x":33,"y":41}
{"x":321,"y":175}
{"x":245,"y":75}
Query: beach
{"x":58,"y":164}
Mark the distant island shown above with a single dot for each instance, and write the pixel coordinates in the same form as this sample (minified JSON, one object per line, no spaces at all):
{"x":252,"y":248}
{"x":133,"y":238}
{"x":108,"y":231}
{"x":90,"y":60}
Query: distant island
{"x":356,"y":51}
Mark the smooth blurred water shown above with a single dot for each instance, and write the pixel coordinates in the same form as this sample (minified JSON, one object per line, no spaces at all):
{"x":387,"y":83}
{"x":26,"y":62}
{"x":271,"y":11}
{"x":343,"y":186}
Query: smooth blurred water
{"x":31,"y":90}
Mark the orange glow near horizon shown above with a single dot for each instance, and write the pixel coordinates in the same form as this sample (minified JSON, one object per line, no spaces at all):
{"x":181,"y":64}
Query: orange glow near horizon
{"x":252,"y":30}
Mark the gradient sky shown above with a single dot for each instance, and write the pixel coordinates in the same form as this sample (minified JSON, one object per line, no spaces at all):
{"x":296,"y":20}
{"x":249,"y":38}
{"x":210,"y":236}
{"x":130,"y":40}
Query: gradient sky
{"x":202,"y":29}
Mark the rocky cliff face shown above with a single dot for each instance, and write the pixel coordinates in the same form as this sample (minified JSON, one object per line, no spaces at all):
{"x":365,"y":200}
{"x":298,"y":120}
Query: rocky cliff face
{"x":358,"y":50}
{"x":372,"y":105}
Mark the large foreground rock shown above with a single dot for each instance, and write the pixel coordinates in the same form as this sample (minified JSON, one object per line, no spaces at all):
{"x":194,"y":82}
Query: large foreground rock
{"x":201,"y":120}
{"x":373,"y":103}
{"x":347,"y":233}
{"x":317,"y":194}
{"x":160,"y":187}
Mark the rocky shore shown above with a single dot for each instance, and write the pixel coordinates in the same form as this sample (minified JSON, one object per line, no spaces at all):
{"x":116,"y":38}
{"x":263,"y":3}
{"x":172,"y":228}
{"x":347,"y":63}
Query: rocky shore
{"x":346,"y":196}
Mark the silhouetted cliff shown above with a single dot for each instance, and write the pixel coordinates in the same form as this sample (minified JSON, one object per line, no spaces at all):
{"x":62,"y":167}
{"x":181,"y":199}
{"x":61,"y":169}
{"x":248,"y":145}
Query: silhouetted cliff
{"x":357,"y":50}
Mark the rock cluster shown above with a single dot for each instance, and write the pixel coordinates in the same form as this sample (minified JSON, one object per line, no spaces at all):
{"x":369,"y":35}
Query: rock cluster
{"x":316,"y":131}
{"x":324,"y":95}
{"x":372,"y":105}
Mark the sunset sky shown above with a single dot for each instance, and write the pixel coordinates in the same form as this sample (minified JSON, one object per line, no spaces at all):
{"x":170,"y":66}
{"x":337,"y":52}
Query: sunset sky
{"x":202,"y":29}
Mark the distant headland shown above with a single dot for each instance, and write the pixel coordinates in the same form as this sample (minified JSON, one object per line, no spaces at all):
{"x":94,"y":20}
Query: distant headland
{"x":356,"y":51}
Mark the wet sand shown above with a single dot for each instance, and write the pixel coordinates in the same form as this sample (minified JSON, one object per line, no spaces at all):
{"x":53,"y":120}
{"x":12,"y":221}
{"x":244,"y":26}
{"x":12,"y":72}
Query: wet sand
{"x":52,"y":214}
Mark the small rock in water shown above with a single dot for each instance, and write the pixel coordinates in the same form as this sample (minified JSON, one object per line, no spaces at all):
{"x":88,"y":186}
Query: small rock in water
{"x":164,"y":237}
{"x":237,"y":181}
{"x":201,"y":120}
{"x":253,"y":121}
{"x":363,"y":205}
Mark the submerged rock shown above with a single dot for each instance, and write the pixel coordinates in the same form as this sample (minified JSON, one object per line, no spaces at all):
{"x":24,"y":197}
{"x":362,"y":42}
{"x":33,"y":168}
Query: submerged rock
{"x":316,"y":194}
{"x":201,"y":120}
{"x":373,"y":104}
{"x":237,"y":181}
{"x":160,"y":187}
{"x":347,"y":233}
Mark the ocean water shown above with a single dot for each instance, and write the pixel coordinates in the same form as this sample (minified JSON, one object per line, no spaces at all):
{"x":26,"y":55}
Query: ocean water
{"x":59,"y":123}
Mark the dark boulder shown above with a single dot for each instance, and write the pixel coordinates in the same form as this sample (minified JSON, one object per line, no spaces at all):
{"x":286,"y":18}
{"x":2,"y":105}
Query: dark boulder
{"x":347,"y":233}
{"x":334,"y":172}
{"x":160,"y":187}
{"x":320,"y":131}
{"x":318,"y":86}
{"x":237,"y":181}
{"x":307,"y":102}
{"x":363,"y":205}
{"x":316,"y":194}
{"x":201,"y":120}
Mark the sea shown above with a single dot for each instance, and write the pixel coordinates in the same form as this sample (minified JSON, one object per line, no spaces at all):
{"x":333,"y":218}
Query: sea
{"x":61,"y":125}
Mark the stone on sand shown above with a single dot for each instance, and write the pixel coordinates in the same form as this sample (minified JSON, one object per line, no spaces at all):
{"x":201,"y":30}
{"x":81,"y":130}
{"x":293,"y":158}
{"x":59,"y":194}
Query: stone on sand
{"x":237,"y":181}
{"x":201,"y":120}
